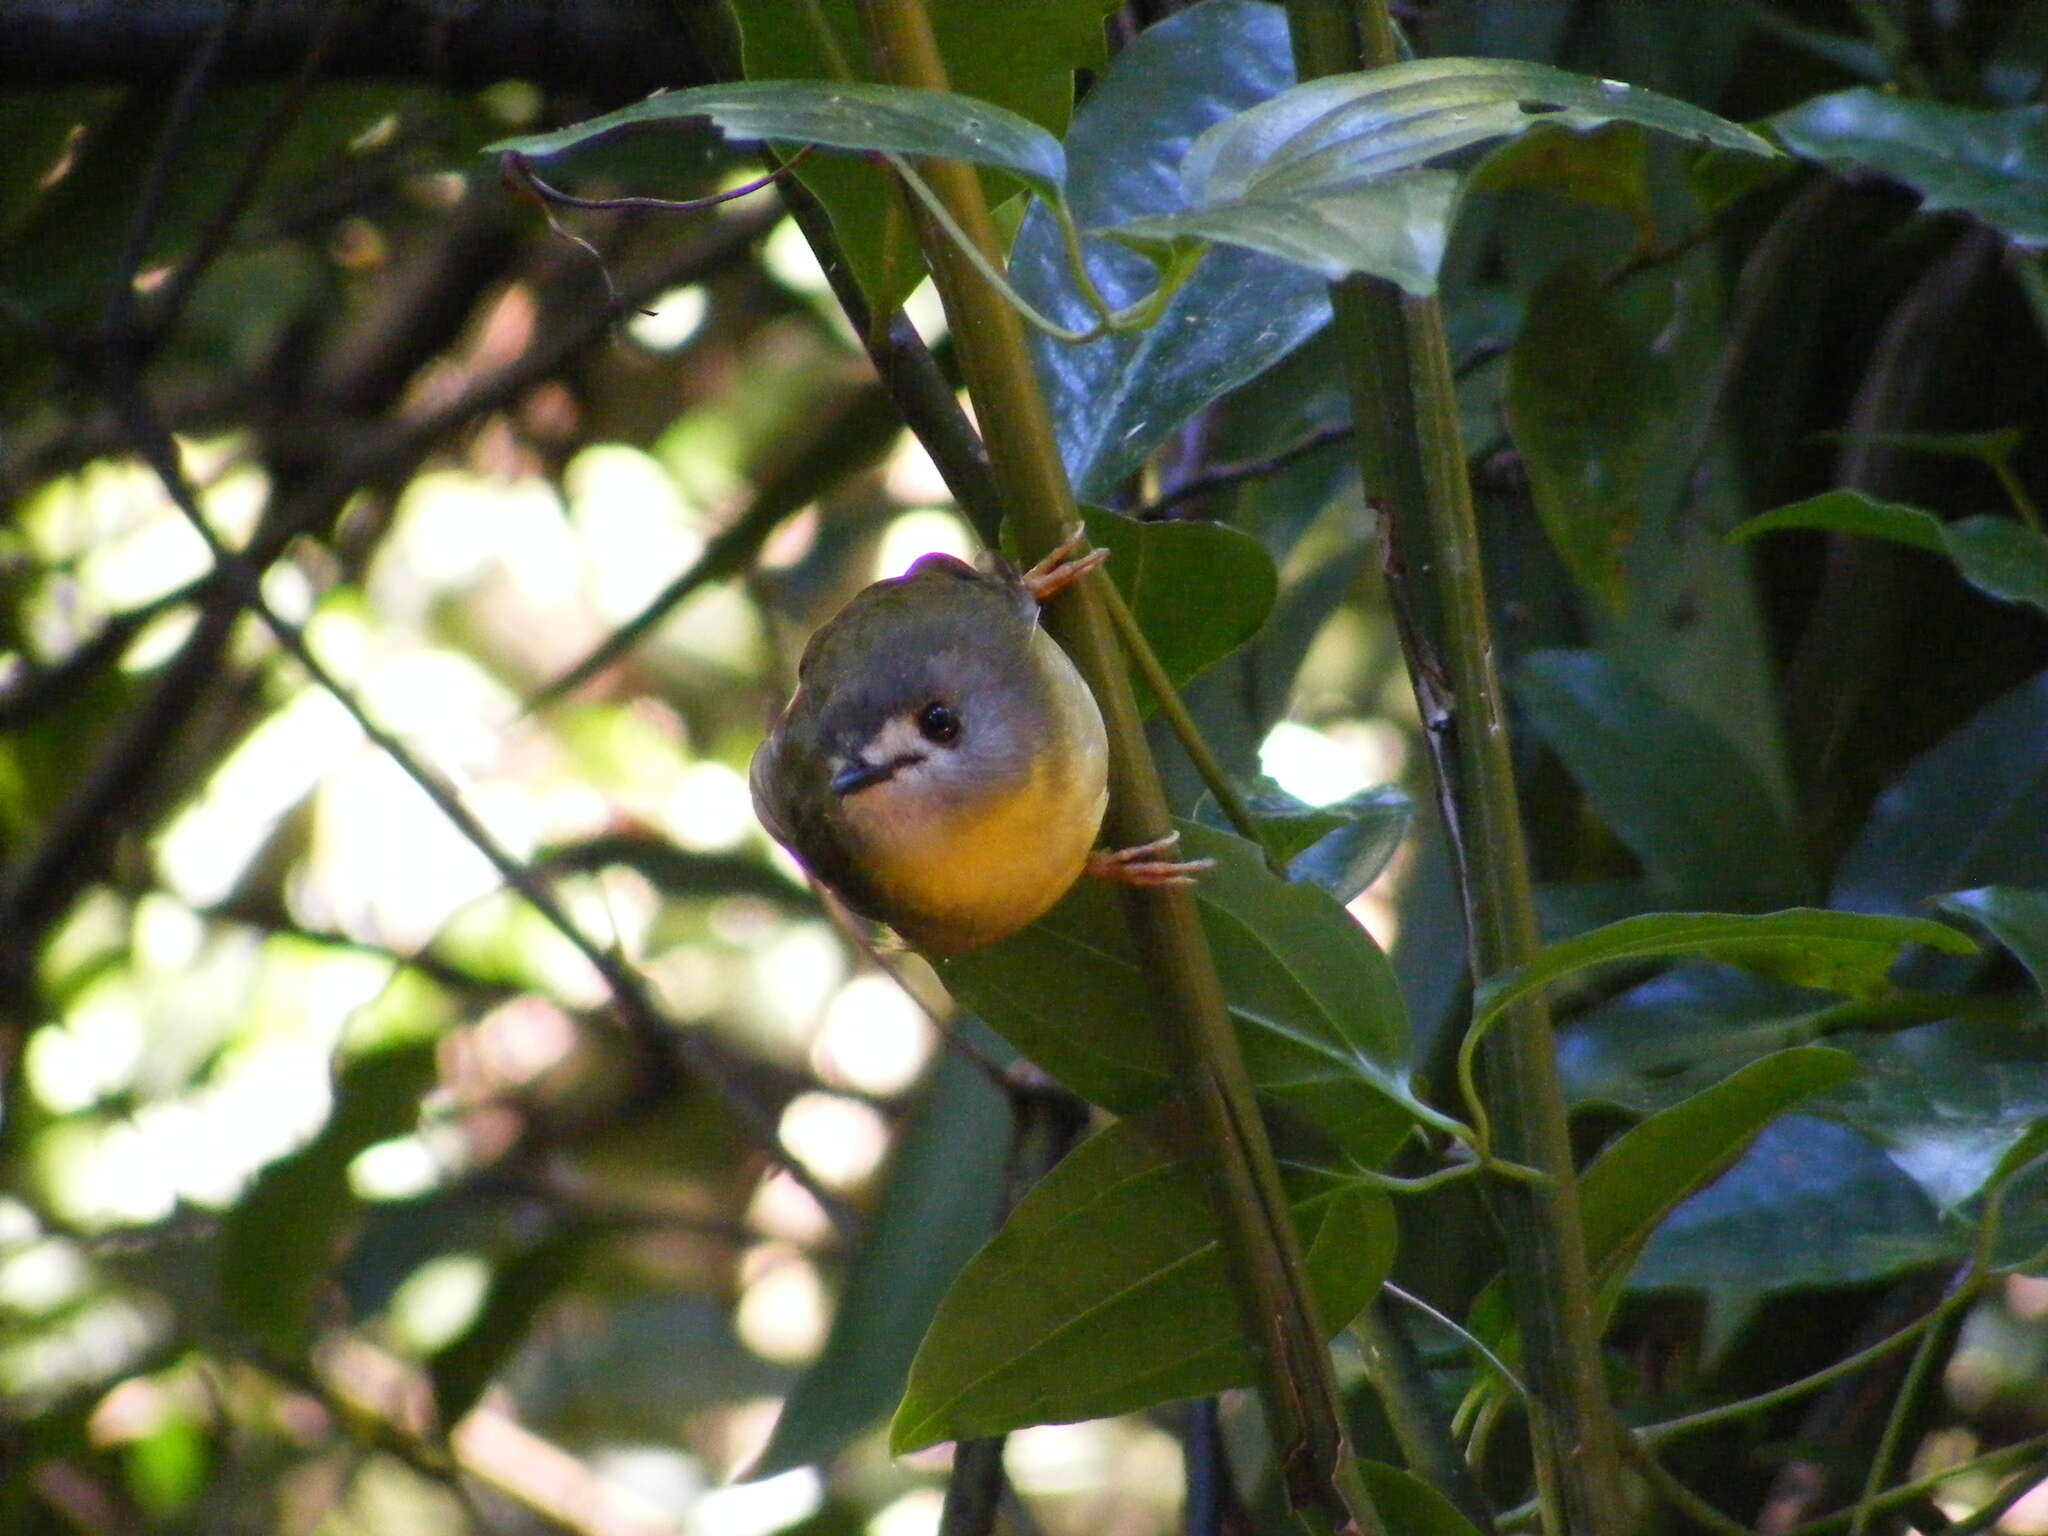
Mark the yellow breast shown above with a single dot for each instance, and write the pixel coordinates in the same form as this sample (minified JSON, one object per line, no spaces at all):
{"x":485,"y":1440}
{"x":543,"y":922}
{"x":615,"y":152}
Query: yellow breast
{"x":962,"y":876}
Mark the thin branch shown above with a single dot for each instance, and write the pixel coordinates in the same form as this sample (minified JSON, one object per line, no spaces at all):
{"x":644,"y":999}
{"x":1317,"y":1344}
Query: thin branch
{"x":1222,"y":476}
{"x":520,"y":175}
{"x":644,"y":1021}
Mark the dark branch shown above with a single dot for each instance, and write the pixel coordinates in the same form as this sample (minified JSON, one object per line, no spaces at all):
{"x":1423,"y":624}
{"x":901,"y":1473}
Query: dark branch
{"x":614,"y":50}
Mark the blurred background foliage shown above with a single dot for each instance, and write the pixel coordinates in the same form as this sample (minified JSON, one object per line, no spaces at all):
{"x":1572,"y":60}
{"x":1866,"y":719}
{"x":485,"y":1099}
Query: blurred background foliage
{"x":343,"y":1191}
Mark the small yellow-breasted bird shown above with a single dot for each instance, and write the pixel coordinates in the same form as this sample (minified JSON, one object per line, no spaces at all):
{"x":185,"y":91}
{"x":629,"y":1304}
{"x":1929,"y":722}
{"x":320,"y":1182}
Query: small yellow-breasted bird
{"x":942,"y":765}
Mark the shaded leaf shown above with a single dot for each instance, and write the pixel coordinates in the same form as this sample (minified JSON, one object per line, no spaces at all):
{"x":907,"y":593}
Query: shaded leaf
{"x":1586,"y":403}
{"x":2018,"y":919}
{"x":1686,"y":801}
{"x":851,"y":115}
{"x":1341,"y":847}
{"x":1316,"y":1007}
{"x":937,"y":1206}
{"x":1197,"y":590}
{"x":1752,"y":1231}
{"x":1106,"y":1291}
{"x":1632,"y":1186}
{"x":280,"y":1241}
{"x":1607,"y":168}
{"x":1409,"y":1505}
{"x":1028,"y":69}
{"x":1115,"y":400}
{"x":1971,"y":811}
{"x":1991,"y":163}
{"x":1999,"y":556}
{"x":1845,"y":952}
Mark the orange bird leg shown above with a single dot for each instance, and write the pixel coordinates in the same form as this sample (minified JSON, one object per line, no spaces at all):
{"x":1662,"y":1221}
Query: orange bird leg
{"x":1146,"y":864}
{"x":1063,"y":567}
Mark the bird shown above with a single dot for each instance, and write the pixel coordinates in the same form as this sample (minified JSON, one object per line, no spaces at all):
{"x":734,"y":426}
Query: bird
{"x":942,"y":766}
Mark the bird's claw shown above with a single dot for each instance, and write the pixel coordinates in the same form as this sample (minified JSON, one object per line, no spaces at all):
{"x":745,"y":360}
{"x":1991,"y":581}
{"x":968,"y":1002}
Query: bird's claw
{"x":1063,"y":567}
{"x":1146,"y":864}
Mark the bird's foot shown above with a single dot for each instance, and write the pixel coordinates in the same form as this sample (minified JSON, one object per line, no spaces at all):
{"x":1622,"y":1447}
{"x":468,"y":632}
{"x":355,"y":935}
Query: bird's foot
{"x":1146,"y":864}
{"x":1063,"y":567}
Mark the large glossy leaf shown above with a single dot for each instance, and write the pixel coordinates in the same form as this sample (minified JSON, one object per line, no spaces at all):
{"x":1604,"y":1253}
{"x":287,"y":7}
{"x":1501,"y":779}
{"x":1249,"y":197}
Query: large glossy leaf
{"x":1989,"y":163}
{"x":1999,"y":556}
{"x":1707,"y":828}
{"x":1107,"y":1291}
{"x":1631,"y":1187}
{"x":1588,"y":405}
{"x":1947,"y":1102}
{"x":1846,"y":952}
{"x":1753,"y":1231}
{"x":1971,"y":811}
{"x":1198,"y":590}
{"x":938,"y":1205}
{"x":1331,"y":173}
{"x":1315,"y":1004}
{"x":1115,"y":400}
{"x":2017,"y":919}
{"x":840,"y":115}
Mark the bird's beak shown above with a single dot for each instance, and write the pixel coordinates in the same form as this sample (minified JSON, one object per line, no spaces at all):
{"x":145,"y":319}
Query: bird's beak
{"x":859,"y":774}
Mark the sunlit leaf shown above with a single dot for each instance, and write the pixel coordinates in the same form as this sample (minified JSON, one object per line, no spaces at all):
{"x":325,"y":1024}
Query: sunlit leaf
{"x":1991,"y":163}
{"x":1847,"y":952}
{"x":1341,"y":847}
{"x":1107,"y":1291}
{"x":1315,"y":1004}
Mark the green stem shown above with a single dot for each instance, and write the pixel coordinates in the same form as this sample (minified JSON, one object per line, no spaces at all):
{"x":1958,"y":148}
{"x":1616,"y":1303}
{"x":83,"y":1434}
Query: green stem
{"x":1146,"y":660}
{"x":2016,"y":1455}
{"x":1398,"y":1374}
{"x":1906,"y":1400}
{"x":1296,"y":1378}
{"x":1405,"y":404}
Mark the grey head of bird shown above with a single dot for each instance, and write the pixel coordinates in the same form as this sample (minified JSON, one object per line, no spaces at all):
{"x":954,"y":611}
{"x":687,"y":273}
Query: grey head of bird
{"x":941,"y":763}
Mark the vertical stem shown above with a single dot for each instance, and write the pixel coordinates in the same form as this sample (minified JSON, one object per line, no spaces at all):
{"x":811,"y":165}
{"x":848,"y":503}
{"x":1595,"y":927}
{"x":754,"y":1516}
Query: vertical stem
{"x":1297,"y":1381}
{"x":1405,"y":405}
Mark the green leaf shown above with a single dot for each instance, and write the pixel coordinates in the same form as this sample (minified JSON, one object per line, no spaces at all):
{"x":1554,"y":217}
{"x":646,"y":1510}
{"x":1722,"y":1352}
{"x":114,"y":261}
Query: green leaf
{"x":1846,"y":952}
{"x":1606,"y":168}
{"x":1752,"y":1232}
{"x":1328,"y":173}
{"x":1197,"y":590}
{"x":1971,"y":811}
{"x":1409,"y":1505}
{"x":1989,"y":163}
{"x":1315,"y":1004}
{"x":521,"y":1288}
{"x":1107,"y":1291}
{"x":1586,"y":402}
{"x":1026,"y":69}
{"x":935,"y":1210}
{"x":1844,"y":511}
{"x":1999,"y":556}
{"x":1706,"y":826}
{"x":2018,"y":919}
{"x":1115,"y":400}
{"x":278,"y":1244}
{"x":1341,"y":847}
{"x":1631,"y":1187}
{"x":840,"y":115}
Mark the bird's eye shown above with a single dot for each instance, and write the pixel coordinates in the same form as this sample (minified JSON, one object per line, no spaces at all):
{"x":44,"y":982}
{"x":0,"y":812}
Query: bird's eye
{"x":938,"y":724}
